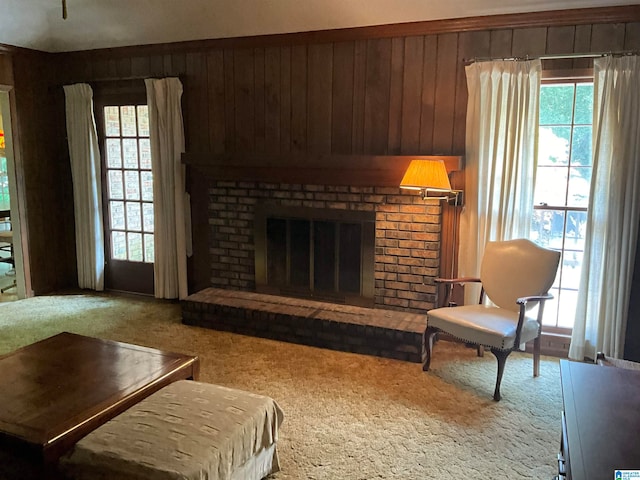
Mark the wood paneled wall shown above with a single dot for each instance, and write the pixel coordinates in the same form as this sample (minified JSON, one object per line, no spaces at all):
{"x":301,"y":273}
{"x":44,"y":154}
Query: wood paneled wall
{"x":394,"y":90}
{"x":44,"y":175}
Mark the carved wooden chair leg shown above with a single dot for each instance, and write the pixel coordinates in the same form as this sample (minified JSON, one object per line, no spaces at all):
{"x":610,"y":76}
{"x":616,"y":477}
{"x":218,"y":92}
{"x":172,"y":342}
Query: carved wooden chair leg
{"x":536,"y":356}
{"x":427,"y":346}
{"x":501,"y":356}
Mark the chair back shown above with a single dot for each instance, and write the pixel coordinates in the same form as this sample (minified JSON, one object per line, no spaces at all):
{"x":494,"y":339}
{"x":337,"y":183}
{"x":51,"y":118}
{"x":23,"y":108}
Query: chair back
{"x":517,"y":268}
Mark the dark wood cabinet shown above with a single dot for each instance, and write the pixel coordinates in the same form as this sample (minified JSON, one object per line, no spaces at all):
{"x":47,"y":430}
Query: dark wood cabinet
{"x":600,"y":422}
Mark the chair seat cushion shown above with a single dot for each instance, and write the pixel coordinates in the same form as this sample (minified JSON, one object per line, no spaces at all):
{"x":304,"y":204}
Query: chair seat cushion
{"x":187,"y":430}
{"x":482,"y":324}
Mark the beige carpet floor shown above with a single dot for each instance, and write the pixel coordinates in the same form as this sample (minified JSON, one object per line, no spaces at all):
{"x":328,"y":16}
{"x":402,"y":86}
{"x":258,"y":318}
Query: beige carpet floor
{"x":347,"y":416}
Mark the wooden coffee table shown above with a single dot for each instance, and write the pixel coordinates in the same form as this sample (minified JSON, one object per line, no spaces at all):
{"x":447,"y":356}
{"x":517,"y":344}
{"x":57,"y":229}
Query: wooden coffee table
{"x":54,"y":392}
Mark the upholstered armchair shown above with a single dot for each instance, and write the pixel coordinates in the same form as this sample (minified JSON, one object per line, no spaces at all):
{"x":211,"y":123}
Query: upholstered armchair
{"x":515,"y":276}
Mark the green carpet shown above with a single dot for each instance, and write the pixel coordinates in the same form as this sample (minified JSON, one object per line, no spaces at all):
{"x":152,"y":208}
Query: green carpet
{"x":347,"y":416}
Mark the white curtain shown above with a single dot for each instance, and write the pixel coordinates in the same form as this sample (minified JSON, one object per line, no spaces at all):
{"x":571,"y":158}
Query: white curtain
{"x":614,"y":211}
{"x":87,"y":190}
{"x":172,"y":230}
{"x":501,"y":151}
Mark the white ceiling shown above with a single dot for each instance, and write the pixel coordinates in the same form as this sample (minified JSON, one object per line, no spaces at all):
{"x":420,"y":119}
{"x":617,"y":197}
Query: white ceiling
{"x":91,"y":24}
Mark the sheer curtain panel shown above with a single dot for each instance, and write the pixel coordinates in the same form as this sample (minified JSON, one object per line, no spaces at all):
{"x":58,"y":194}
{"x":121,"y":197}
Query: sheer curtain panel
{"x":171,"y":202}
{"x":501,"y":151}
{"x":87,"y":190}
{"x":614,"y":211}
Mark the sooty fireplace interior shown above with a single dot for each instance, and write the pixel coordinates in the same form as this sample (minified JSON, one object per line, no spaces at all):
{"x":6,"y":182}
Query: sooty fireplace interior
{"x":325,"y":254}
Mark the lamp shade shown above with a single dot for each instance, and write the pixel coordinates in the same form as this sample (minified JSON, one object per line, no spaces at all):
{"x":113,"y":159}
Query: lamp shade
{"x":426,"y":175}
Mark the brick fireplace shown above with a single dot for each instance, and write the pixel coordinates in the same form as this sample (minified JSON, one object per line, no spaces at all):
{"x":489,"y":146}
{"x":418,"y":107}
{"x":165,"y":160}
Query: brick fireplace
{"x":406,"y":247}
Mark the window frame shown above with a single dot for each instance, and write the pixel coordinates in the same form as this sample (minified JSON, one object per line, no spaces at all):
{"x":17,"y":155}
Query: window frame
{"x":550,"y":77}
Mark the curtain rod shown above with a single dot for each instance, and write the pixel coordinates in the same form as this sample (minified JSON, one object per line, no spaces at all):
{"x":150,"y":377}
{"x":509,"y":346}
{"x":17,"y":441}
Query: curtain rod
{"x":552,"y":56}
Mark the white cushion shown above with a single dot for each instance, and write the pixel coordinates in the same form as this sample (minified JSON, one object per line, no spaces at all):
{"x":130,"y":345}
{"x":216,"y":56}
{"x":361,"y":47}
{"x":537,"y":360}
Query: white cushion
{"x":482,"y":324}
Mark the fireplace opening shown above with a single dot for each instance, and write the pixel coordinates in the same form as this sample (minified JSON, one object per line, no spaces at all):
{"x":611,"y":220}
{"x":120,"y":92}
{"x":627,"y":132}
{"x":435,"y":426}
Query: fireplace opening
{"x":324,"y":254}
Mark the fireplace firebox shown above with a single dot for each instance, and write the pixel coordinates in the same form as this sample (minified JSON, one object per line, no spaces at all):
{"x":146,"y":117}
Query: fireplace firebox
{"x":324,"y":254}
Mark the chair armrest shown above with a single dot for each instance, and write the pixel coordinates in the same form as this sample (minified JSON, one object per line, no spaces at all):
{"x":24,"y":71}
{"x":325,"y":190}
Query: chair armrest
{"x":533,"y":298}
{"x":457,"y":280}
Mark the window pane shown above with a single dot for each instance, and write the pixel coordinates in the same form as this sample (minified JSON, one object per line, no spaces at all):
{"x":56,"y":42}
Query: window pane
{"x":130,"y":147}
{"x":551,"y":186}
{"x":147,"y":185}
{"x":547,"y":228}
{"x":112,"y":121}
{"x":116,"y":210}
{"x":145,"y":153}
{"x":584,"y":104}
{"x":118,"y":245}
{"x":149,"y":251}
{"x":134,"y":220}
{"x":553,"y":145}
{"x":571,"y":267}
{"x":579,"y":184}
{"x":556,"y":104}
{"x":132,"y":184}
{"x":114,"y":153}
{"x":581,"y":147}
{"x":575,"y":230}
{"x":147,"y":217}
{"x":143,"y":121}
{"x":134,"y":241}
{"x":116,"y":190}
{"x":128,"y":117}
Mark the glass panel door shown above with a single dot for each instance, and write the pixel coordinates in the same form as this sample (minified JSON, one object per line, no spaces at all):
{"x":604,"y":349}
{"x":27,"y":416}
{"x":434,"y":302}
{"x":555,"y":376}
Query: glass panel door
{"x":128,"y":192}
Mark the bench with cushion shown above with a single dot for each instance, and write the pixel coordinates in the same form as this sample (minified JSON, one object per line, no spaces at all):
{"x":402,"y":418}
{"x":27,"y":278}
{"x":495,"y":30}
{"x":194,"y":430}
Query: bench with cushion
{"x":186,"y":430}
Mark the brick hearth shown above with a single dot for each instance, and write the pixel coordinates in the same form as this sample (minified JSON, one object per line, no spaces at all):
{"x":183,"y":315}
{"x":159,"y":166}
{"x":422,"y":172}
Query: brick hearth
{"x":379,"y":332}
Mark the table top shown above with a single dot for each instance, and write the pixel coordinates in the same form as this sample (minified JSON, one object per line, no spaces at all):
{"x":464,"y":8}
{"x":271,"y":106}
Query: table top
{"x":602,"y":412}
{"x":57,"y":390}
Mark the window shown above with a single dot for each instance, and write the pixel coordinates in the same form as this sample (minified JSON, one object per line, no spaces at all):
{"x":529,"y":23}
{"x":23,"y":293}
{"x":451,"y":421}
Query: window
{"x":561,"y":195}
{"x":129,"y":183}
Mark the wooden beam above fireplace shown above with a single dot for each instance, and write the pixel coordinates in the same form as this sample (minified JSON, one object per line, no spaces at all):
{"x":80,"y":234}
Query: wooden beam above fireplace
{"x":355,"y":170}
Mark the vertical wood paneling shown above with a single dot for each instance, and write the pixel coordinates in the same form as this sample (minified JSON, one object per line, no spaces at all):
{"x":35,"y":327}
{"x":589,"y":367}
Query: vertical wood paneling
{"x":197,"y":103}
{"x":359,"y":82}
{"x":582,"y":43}
{"x":259,"y":99}
{"x":428,"y":97}
{"x":445,"y":93}
{"x":529,"y":41}
{"x":285,"y":99}
{"x":156,"y":66}
{"x":412,"y":86}
{"x":607,"y":37}
{"x":501,"y":43}
{"x":178,"y":64}
{"x":272,"y":99}
{"x":140,"y":66}
{"x":215,"y":95}
{"x":229,"y":101}
{"x":243,"y":73}
{"x":6,"y":70}
{"x":376,"y":104}
{"x":394,"y":141}
{"x":396,"y":96}
{"x":123,"y":67}
{"x":319,"y":98}
{"x":632,"y":38}
{"x":299,"y":98}
{"x":342,"y":97}
{"x":101,"y":68}
{"x":559,"y":40}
